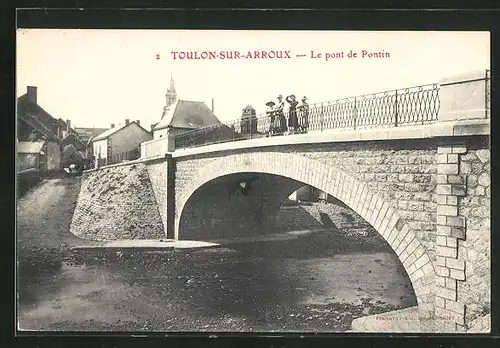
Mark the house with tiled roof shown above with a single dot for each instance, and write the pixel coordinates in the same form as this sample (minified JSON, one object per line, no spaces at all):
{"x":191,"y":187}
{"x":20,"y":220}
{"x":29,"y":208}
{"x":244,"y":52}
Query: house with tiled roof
{"x":181,"y":116}
{"x":87,"y":133}
{"x":119,"y":143}
{"x":36,"y":125}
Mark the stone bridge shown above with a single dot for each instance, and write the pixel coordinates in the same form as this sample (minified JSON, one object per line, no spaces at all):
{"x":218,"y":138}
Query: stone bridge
{"x":424,"y":188}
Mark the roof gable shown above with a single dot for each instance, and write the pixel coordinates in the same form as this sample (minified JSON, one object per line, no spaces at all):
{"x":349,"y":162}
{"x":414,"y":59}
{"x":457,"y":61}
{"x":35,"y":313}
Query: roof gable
{"x":188,"y":114}
{"x":30,"y":146}
{"x":36,"y":117}
{"x":72,"y":138}
{"x":114,"y":130}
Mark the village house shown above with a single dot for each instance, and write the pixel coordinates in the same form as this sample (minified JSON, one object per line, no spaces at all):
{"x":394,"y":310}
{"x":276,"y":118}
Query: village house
{"x":35,"y":125}
{"x":181,"y":116}
{"x":87,"y":135}
{"x":120,"y":143}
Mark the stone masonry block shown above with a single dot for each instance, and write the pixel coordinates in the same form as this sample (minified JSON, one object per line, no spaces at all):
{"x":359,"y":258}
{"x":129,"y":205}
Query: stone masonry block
{"x":451,"y":200}
{"x":440,"y":261}
{"x":457,"y":274}
{"x":441,"y":240}
{"x":443,"y":189}
{"x":441,"y":220}
{"x":440,"y":281}
{"x":452,"y":158}
{"x":442,"y":158}
{"x":411,"y":268}
{"x":444,"y":149}
{"x":446,"y":293}
{"x":446,"y":251}
{"x":459,"y":149}
{"x":458,"y":232}
{"x":458,"y":190}
{"x":455,"y":263}
{"x":409,"y":260}
{"x":401,"y":247}
{"x":422,"y":260}
{"x":447,"y":168}
{"x":455,"y":179}
{"x":392,"y":236}
{"x":419,"y":251}
{"x":442,"y":271}
{"x":441,"y":199}
{"x":412,"y":246}
{"x":451,"y":242}
{"x":441,"y":179}
{"x":447,"y":210}
{"x":403,"y":256}
{"x":428,"y":270}
{"x":381,"y":215}
{"x":416,"y":274}
{"x":457,"y":221}
{"x":451,"y":283}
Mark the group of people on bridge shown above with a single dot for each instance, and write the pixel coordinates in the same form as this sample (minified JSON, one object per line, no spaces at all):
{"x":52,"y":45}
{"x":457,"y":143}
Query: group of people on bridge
{"x":298,"y":116}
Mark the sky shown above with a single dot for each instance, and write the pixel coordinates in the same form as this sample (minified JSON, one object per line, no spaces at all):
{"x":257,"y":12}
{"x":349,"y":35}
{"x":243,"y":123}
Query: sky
{"x":98,"y":77}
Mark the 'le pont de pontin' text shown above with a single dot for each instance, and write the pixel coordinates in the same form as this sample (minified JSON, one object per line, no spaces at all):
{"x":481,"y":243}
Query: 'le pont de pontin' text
{"x":279,"y":54}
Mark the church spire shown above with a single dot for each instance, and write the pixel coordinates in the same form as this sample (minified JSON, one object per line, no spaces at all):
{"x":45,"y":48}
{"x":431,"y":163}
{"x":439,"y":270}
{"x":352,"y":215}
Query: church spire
{"x":172,"y":85}
{"x":171,"y":96}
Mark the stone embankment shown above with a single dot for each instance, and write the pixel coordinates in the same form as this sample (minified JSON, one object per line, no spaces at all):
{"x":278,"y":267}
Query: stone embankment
{"x":117,"y":203}
{"x":334,"y":215}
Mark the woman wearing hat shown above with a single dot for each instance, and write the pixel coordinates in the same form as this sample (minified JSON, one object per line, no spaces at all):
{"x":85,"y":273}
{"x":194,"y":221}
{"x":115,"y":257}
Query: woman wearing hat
{"x":304,"y":115}
{"x":278,"y":109}
{"x":293,"y":122}
{"x":270,"y":113}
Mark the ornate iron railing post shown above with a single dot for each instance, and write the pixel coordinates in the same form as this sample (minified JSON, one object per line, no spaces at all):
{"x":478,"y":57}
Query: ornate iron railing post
{"x":396,"y":109}
{"x":355,"y":113}
{"x":321,"y":117}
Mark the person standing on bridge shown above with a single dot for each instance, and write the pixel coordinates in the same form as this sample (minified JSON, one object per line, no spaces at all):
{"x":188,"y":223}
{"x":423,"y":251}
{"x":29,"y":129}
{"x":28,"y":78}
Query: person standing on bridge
{"x":280,"y":115}
{"x":293,"y":122}
{"x":271,"y":115}
{"x":303,"y":109}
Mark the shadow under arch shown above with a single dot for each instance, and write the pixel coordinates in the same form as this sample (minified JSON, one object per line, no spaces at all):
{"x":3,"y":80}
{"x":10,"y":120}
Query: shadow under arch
{"x":354,"y":193}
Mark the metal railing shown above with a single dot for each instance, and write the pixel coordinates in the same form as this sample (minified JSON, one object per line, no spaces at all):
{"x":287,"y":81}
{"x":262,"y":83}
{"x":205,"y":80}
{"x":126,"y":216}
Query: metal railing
{"x":408,"y":106}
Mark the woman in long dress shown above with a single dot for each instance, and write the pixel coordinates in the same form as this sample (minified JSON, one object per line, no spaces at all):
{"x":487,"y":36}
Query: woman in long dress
{"x":272,"y":116}
{"x":278,"y":109}
{"x":303,"y":115}
{"x":293,"y":122}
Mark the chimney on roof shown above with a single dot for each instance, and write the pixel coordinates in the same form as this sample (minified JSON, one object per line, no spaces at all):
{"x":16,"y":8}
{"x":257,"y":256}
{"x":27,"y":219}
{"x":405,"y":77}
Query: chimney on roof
{"x":68,"y":124}
{"x":127,"y":121}
{"x":32,"y":94}
{"x":152,"y":126}
{"x":212,"y":104}
{"x":138,"y":122}
{"x":112,"y":125}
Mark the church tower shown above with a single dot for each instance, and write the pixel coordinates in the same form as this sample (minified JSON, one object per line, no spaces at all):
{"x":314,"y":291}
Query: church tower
{"x":171,"y":95}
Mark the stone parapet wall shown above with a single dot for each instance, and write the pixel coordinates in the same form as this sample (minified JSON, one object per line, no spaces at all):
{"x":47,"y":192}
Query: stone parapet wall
{"x":117,"y":203}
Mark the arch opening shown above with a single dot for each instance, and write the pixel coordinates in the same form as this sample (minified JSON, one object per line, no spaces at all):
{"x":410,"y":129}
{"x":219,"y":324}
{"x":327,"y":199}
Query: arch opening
{"x":223,"y":211}
{"x":355,"y":194}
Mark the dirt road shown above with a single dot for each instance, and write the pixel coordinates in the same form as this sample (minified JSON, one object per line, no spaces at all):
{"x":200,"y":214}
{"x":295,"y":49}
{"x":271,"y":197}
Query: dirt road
{"x":44,"y":215}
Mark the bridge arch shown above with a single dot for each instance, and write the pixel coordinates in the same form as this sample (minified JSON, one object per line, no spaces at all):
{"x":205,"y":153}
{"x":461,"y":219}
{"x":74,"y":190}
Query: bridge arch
{"x":354,"y":193}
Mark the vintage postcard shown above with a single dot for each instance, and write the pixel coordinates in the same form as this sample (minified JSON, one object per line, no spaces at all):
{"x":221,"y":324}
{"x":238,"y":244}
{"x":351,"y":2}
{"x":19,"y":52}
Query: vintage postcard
{"x":253,"y":181}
